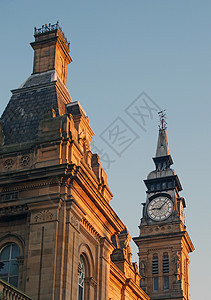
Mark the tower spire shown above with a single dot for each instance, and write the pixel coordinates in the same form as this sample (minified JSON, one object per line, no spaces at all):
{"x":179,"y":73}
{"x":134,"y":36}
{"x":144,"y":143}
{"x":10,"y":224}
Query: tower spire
{"x":162,"y":144}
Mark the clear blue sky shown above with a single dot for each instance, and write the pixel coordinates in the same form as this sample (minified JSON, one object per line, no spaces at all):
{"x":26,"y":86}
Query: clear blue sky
{"x":119,"y":49}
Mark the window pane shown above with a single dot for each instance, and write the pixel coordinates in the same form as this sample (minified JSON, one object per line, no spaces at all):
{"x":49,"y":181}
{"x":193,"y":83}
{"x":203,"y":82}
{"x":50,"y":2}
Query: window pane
{"x":155,"y":282}
{"x":4,"y":268}
{"x":166,"y":282}
{"x":4,"y":278}
{"x":5,"y":253}
{"x":81,"y":277}
{"x":14,"y":281}
{"x":9,"y":267}
{"x":81,"y":274}
{"x":80,"y":293}
{"x":15,"y":251}
{"x":13,"y":268}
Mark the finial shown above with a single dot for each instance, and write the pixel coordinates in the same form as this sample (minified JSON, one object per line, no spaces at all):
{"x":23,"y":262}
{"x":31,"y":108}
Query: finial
{"x":162,"y":117}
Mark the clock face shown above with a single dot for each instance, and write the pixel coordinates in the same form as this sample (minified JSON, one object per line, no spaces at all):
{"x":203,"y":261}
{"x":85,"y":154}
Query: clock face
{"x":160,"y":208}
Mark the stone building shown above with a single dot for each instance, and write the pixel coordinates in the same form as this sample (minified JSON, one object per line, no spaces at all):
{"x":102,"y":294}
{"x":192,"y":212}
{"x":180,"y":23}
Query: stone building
{"x":59,"y":236}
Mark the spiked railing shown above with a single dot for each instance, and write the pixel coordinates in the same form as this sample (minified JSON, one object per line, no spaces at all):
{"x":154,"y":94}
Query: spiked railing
{"x":51,"y":27}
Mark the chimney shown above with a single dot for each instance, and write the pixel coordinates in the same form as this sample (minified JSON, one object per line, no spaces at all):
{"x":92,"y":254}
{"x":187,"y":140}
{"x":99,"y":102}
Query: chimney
{"x":51,"y":50}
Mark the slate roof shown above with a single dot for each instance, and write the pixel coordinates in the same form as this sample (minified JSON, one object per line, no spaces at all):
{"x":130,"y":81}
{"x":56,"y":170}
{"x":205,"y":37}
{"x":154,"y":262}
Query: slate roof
{"x":28,"y":104}
{"x":75,"y":109}
{"x":38,"y":79}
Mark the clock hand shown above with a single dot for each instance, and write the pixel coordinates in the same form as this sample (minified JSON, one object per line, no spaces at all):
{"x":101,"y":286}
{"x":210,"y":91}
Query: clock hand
{"x":163,"y":204}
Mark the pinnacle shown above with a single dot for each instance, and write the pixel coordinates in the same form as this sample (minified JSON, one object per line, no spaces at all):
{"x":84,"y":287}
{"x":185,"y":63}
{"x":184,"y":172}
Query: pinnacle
{"x":162,"y":145}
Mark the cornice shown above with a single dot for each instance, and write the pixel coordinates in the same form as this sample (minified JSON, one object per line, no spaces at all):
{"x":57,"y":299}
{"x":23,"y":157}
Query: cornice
{"x":117,"y":273}
{"x":188,"y":241}
{"x":92,"y":191}
{"x":90,"y":228}
{"x":63,"y":89}
{"x":165,"y":236}
{"x":33,"y":174}
{"x":88,"y":183}
{"x":33,"y":87}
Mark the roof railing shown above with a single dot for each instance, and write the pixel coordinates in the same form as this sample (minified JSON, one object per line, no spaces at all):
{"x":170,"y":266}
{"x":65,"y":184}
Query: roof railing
{"x":51,"y":27}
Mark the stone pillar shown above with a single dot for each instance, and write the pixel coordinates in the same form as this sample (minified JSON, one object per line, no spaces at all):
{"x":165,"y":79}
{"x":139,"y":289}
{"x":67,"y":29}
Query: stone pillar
{"x":90,"y":284}
{"x":41,"y":263}
{"x":106,"y":249}
{"x":20,"y":261}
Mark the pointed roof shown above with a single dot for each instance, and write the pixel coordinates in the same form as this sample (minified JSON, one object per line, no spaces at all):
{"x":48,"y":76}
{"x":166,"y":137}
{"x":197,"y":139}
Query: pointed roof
{"x":163,"y":177}
{"x":162,"y":152}
{"x":162,"y":145}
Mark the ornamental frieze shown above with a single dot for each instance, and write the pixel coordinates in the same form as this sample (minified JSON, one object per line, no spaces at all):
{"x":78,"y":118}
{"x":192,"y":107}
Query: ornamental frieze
{"x":16,"y":162}
{"x":13,"y":210}
{"x":43,"y":216}
{"x":50,"y":182}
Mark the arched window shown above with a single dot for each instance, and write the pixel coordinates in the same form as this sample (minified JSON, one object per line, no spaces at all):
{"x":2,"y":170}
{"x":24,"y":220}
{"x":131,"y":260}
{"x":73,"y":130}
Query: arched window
{"x":81,"y":277}
{"x":9,"y":267}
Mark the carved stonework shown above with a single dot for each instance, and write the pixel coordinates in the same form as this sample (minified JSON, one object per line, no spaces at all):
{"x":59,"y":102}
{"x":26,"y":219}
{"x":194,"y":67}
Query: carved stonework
{"x":90,"y":228}
{"x":177,"y":261}
{"x":128,"y":273}
{"x":117,"y":255}
{"x":74,"y":222}
{"x":91,"y":281}
{"x":82,"y":135}
{"x":42,"y":216}
{"x":8,"y":164}
{"x":20,"y":188}
{"x":106,"y":255}
{"x":143,"y":268}
{"x":159,"y":248}
{"x":25,"y":160}
{"x":20,"y":260}
{"x":13,"y":210}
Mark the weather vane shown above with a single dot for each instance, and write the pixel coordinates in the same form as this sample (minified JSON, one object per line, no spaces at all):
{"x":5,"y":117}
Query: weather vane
{"x":162,"y":121}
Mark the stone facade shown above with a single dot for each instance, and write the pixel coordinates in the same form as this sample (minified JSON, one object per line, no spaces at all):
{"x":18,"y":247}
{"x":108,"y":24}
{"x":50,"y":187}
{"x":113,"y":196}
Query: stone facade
{"x":59,"y":235}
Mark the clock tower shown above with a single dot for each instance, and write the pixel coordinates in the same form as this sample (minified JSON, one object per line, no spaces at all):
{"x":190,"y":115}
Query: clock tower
{"x":164,"y":244}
